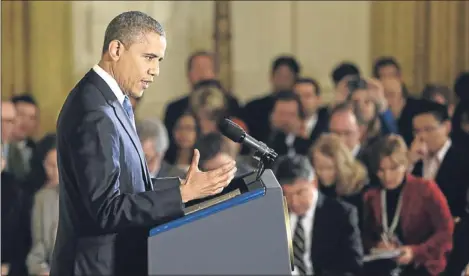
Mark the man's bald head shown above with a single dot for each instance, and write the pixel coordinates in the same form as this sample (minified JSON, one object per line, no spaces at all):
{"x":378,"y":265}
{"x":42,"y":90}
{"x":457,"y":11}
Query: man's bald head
{"x":8,"y":120}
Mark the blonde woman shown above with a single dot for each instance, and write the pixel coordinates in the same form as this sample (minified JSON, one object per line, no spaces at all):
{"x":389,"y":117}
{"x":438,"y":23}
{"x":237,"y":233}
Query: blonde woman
{"x":339,"y":173}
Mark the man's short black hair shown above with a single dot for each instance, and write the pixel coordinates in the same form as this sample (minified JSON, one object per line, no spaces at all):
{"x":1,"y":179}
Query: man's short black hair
{"x":288,"y":61}
{"x":385,"y":61}
{"x":289,"y":95}
{"x":287,"y":169}
{"x":209,"y":145}
{"x":343,"y":70}
{"x":24,"y":98}
{"x":440,"y":112}
{"x":193,"y":56}
{"x":461,"y":86}
{"x":311,"y":81}
{"x":128,"y":27}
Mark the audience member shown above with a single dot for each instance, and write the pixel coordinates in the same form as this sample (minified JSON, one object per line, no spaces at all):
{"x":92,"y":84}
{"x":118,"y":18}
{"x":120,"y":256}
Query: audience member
{"x":8,"y":125}
{"x":45,"y":212}
{"x":212,"y":154}
{"x":406,"y":213}
{"x":15,"y":220}
{"x":340,"y":75}
{"x":186,"y":131}
{"x":339,"y":174}
{"x":316,"y":117}
{"x":439,"y":94}
{"x":343,"y":122}
{"x":433,"y":155}
{"x":155,"y":142}
{"x":326,"y":238}
{"x":460,"y":121}
{"x":26,"y":124}
{"x":287,"y":132}
{"x":284,"y":72}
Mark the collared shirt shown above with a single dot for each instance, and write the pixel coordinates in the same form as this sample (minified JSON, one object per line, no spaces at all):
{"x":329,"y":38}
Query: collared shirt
{"x":307,"y":223}
{"x":111,"y":82}
{"x":311,"y":123}
{"x":356,"y":150}
{"x":431,"y":165}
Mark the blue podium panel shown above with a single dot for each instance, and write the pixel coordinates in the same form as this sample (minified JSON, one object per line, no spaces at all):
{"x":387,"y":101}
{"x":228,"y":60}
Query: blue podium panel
{"x":246,"y":234}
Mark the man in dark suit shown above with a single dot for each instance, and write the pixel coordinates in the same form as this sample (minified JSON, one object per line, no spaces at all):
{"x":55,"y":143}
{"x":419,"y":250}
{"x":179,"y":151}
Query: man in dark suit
{"x":326,"y":239}
{"x":434,"y":156}
{"x":285,"y":70}
{"x":316,"y":117}
{"x":108,"y":200}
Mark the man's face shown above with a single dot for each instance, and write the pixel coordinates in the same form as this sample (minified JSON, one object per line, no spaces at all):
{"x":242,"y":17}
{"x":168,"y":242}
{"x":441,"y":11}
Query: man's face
{"x":285,"y":116}
{"x":389,"y":71}
{"x":151,"y":155}
{"x":299,"y":196}
{"x":8,"y":121}
{"x":283,"y":78}
{"x":137,"y":65}
{"x":216,"y":162}
{"x":309,"y":99}
{"x":363,"y":100}
{"x":202,"y":68}
{"x":345,"y":125}
{"x":433,"y":133}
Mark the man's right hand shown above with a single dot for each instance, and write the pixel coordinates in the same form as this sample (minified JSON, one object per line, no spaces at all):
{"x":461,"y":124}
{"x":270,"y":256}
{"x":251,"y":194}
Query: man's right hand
{"x":200,"y":184}
{"x":418,"y":150}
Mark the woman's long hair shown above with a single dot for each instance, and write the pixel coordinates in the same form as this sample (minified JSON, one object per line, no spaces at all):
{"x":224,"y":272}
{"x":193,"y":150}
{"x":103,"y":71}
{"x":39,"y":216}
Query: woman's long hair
{"x":351,"y":175}
{"x":171,"y":154}
{"x":37,"y":176}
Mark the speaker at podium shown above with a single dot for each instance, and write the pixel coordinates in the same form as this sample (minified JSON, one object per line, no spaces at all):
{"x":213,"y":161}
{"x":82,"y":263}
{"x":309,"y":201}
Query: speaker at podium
{"x":244,"y":230}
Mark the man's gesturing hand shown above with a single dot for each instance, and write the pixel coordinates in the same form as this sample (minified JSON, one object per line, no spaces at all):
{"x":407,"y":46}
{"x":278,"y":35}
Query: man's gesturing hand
{"x":200,"y":184}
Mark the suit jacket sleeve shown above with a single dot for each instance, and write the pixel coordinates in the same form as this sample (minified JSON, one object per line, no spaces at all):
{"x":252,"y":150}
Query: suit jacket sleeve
{"x":94,"y":153}
{"x":443,"y":224}
{"x":351,"y":243}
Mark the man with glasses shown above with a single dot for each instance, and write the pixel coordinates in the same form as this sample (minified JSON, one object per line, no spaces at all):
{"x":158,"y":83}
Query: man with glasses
{"x":435,"y":157}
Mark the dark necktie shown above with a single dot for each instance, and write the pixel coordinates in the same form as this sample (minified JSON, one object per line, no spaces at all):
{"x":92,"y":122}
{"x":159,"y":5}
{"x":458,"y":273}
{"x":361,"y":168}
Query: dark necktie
{"x":299,"y":247}
{"x":128,"y":109}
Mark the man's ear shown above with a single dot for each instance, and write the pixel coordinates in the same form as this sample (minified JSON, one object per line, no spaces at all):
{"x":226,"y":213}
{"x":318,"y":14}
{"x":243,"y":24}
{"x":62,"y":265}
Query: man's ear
{"x":115,"y":49}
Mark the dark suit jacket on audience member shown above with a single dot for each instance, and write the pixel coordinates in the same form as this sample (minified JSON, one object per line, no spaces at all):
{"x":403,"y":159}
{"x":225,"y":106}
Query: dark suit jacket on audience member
{"x":336,"y":243}
{"x":459,"y":257}
{"x":277,"y":139}
{"x":256,"y":116}
{"x":452,"y":178}
{"x":425,"y":222}
{"x":16,"y":228}
{"x":107,"y":201}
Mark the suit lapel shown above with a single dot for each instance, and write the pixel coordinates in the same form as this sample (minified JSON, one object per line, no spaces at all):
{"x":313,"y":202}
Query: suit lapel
{"x":125,"y":122}
{"x":318,"y":220}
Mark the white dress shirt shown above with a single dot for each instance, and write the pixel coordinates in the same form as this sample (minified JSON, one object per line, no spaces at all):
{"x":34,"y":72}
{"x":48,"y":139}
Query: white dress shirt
{"x":111,"y":82}
{"x":311,"y":124}
{"x":431,"y":165}
{"x":307,"y":224}
{"x":356,"y":150}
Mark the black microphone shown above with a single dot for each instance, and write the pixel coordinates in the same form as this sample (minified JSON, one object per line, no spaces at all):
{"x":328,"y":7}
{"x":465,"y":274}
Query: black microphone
{"x":235,"y":133}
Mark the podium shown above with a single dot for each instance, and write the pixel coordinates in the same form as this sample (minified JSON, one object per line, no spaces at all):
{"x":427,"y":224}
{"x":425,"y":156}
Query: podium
{"x":244,"y":230}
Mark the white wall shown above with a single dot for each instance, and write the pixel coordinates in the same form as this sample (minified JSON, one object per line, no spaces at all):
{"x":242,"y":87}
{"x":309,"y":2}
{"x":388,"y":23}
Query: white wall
{"x":319,"y":33}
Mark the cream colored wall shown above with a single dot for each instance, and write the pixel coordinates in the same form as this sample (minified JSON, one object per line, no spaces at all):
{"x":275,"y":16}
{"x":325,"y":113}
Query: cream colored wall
{"x":319,"y":33}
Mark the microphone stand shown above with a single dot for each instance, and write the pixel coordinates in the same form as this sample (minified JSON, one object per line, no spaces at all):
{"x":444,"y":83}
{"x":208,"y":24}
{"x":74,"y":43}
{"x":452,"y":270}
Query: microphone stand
{"x":265,"y":160}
